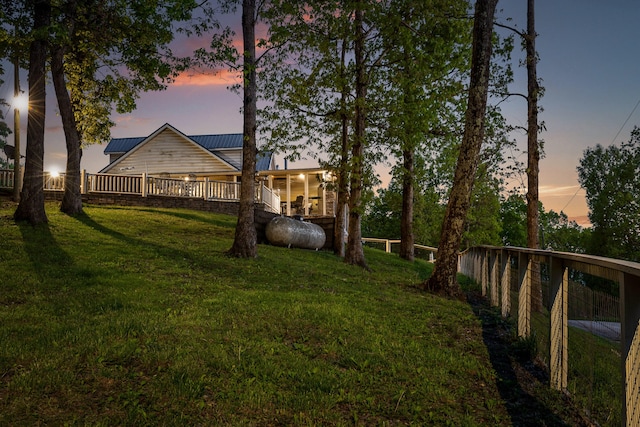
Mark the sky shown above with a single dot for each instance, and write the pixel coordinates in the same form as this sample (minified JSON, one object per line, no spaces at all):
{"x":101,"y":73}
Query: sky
{"x":589,"y":68}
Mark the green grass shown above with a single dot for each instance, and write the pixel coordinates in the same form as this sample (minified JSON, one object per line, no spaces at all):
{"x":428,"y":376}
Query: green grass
{"x":130,"y":316}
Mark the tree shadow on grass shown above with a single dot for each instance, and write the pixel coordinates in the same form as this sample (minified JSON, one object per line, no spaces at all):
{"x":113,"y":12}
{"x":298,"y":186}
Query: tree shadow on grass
{"x":164,"y":251}
{"x":213,"y":219}
{"x":522,"y":386}
{"x":47,"y":257}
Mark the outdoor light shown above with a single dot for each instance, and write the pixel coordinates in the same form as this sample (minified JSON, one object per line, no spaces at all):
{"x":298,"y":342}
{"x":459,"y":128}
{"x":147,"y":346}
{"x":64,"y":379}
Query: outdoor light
{"x":301,"y":176}
{"x":54,"y":174}
{"x":21,"y":102}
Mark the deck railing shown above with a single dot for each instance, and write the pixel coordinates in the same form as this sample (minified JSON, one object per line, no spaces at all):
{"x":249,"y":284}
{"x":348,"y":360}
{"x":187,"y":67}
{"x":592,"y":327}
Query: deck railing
{"x":508,"y":275}
{"x":145,"y":185}
{"x":6,"y":178}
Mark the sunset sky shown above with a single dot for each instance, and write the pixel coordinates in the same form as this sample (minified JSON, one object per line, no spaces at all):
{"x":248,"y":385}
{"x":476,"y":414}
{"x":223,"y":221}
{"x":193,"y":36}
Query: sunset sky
{"x":588,"y":65}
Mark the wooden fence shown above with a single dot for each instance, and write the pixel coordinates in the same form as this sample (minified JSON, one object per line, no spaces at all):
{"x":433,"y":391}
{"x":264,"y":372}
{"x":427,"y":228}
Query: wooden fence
{"x":495,"y":267}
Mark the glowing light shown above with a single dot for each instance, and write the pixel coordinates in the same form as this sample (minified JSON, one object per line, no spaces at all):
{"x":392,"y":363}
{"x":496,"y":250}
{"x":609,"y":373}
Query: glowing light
{"x":54,"y":174}
{"x":21,"y":102}
{"x":301,"y":176}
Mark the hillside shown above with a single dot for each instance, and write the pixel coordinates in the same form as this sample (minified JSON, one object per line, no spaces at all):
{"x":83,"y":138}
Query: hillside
{"x":135,"y":316}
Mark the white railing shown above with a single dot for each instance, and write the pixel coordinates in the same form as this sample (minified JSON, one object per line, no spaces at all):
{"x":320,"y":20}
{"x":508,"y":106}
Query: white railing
{"x":53,"y":181}
{"x":222,"y":190}
{"x":144,"y":186}
{"x":121,"y":184}
{"x":6,"y":178}
{"x":270,"y":198}
{"x":507,"y":275}
{"x":389,"y":243}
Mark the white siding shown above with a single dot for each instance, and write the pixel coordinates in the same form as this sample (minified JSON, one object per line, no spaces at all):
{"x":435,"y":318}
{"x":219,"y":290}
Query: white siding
{"x":170,"y":152}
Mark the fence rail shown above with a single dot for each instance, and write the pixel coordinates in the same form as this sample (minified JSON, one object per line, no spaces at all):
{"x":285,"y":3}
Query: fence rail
{"x":514,"y":278}
{"x":145,"y":185}
{"x":388,"y":246}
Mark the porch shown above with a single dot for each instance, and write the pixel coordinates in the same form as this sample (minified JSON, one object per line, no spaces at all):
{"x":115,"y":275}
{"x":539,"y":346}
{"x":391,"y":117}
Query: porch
{"x":285,"y":192}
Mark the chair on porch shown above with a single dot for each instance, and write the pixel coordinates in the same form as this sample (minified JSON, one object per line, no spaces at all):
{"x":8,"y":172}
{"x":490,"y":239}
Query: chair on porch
{"x":298,"y":205}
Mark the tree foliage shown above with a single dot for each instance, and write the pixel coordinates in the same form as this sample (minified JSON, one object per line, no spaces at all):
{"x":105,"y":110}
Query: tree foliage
{"x":612,"y":183}
{"x":103,"y":54}
{"x":383,"y":214}
{"x":556,"y":231}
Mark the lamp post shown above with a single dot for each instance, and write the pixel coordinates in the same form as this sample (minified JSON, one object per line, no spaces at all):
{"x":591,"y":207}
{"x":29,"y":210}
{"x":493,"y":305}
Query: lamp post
{"x":17,"y":173}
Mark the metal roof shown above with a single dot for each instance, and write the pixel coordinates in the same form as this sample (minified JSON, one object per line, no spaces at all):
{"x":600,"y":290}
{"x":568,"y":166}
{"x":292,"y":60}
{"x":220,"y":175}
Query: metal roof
{"x":263,"y":162}
{"x":209,"y":142}
{"x":217,"y":142}
{"x":122,"y":145}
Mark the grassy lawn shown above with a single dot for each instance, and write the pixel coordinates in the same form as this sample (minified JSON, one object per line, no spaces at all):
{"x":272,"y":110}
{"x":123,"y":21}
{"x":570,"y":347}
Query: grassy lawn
{"x":132,"y":316}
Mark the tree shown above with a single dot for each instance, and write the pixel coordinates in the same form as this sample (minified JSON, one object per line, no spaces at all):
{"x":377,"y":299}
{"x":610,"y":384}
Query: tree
{"x":71,"y":199}
{"x":323,"y":100}
{"x":354,"y":253}
{"x":482,"y":226}
{"x":612,"y":184}
{"x":383,"y":214}
{"x":513,"y":216}
{"x":94,"y":70}
{"x":443,"y":278}
{"x":426,"y":62}
{"x":533,"y":129}
{"x":31,"y":205}
{"x":557,"y":233}
{"x":245,"y":241}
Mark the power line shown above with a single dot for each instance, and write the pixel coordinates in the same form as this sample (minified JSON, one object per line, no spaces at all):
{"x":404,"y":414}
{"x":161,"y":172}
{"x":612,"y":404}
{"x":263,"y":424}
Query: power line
{"x":612,"y":142}
{"x":625,"y":122}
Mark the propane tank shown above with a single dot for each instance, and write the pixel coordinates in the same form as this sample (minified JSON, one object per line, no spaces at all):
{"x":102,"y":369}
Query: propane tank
{"x":285,"y":231}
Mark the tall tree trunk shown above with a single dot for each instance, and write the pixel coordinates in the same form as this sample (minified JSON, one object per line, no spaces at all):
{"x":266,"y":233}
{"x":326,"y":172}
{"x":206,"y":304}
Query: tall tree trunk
{"x":72,"y":198}
{"x":533,"y":154}
{"x":407,"y":250}
{"x":343,"y":174}
{"x":444,"y":278}
{"x":17,"y":170}
{"x":246,"y":240}
{"x":355,"y":253}
{"x":31,"y":206}
{"x":343,"y":189}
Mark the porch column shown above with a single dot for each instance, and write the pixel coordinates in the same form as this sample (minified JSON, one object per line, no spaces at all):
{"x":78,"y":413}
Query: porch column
{"x":288,"y":194}
{"x":306,"y":194}
{"x":143,"y":185}
{"x":83,"y":181}
{"x":324,"y":195}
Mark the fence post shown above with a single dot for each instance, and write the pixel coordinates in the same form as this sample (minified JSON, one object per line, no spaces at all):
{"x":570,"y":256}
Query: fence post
{"x":205,"y":189}
{"x":484,"y":272}
{"x":505,"y":283}
{"x":524,"y":295}
{"x":494,"y":290}
{"x":559,"y":333}
{"x":630,"y":346}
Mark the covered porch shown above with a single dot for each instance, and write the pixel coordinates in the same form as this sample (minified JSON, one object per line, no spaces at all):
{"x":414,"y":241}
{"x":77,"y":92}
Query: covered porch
{"x":305,"y":192}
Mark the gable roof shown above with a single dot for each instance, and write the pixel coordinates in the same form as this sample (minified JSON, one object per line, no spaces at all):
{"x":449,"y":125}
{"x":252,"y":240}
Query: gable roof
{"x":216,"y":144}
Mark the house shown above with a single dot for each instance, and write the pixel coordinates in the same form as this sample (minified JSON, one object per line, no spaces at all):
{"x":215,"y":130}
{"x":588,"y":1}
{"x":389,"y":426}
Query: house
{"x":169,"y":153}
